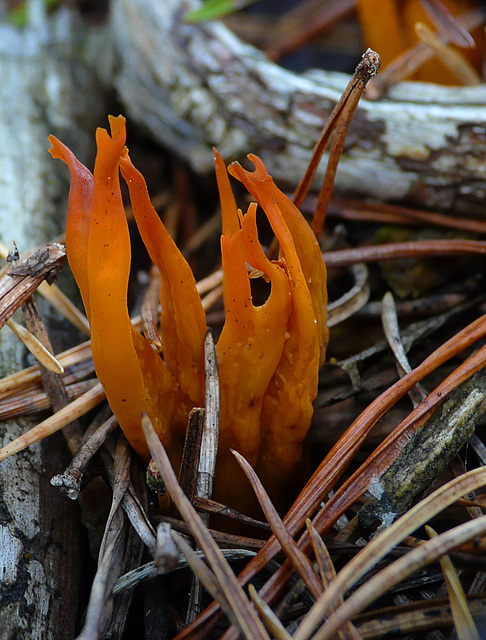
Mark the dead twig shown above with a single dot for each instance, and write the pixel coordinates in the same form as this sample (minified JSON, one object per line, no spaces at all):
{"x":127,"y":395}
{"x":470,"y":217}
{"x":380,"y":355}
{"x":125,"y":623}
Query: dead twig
{"x":69,"y":482}
{"x":110,"y":559}
{"x":22,"y":281}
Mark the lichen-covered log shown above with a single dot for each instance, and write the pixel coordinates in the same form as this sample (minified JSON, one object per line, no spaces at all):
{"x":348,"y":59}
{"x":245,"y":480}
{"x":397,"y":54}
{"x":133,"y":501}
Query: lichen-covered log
{"x":195,"y":86}
{"x":42,"y":90}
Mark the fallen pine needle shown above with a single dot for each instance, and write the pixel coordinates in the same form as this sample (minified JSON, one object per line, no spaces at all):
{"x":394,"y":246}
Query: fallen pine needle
{"x":36,"y":347}
{"x":62,"y":418}
{"x":463,"y":621}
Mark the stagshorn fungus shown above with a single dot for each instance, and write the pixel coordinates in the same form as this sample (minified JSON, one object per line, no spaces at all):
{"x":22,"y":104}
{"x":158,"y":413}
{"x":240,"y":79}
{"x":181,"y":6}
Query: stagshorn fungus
{"x":268,"y":356}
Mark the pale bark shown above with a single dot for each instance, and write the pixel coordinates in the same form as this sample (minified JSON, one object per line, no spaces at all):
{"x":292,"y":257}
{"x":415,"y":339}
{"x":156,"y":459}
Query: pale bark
{"x":42,"y":91}
{"x":195,"y":86}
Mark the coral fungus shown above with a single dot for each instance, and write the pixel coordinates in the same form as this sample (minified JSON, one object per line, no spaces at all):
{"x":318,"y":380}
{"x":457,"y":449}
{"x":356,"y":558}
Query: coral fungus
{"x":268,"y":355}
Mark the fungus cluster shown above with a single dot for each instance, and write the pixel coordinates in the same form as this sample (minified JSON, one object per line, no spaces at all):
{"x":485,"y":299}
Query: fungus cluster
{"x":268,"y":356}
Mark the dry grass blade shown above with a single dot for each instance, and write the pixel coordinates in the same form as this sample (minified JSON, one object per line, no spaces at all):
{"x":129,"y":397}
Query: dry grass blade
{"x":228,"y":540}
{"x":399,"y":570}
{"x":166,"y":557}
{"x":210,"y":506}
{"x":27,"y":402}
{"x":36,"y":347}
{"x":247,"y":621}
{"x":210,"y":282}
{"x":387,"y":540}
{"x":271,"y":621}
{"x":212,"y":298}
{"x":150,"y":309}
{"x":463,"y":621}
{"x":72,"y":411}
{"x":412,"y":59}
{"x":321,"y":553}
{"x":299,"y":560}
{"x":52,"y":382}
{"x":131,"y":505}
{"x":210,"y":228}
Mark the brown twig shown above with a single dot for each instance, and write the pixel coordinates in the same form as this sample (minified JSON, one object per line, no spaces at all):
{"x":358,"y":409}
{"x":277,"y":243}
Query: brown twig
{"x":69,"y":482}
{"x":21,"y":282}
{"x":110,"y":558}
{"x":206,"y":454}
{"x":191,"y":452}
{"x":53,"y":382}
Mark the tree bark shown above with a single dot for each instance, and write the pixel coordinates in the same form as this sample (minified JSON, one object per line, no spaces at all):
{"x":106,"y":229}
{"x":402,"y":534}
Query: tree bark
{"x":198,"y":86}
{"x":42,"y":90}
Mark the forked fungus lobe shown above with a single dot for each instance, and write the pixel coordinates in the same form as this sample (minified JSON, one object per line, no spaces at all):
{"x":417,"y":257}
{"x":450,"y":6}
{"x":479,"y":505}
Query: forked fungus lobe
{"x":268,"y":356}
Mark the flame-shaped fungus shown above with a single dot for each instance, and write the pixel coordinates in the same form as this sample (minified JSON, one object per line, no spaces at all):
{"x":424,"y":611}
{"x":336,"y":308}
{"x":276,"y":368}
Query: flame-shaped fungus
{"x":268,"y":355}
{"x":287,"y":403}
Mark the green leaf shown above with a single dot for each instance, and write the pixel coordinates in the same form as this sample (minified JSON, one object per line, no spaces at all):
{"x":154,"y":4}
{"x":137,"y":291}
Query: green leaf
{"x":213,"y":9}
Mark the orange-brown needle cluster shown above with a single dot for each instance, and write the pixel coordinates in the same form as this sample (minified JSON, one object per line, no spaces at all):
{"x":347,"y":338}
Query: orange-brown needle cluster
{"x":268,"y":356}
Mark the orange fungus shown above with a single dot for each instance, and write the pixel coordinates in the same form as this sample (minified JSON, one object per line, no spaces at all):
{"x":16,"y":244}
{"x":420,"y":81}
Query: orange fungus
{"x":268,"y":355}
